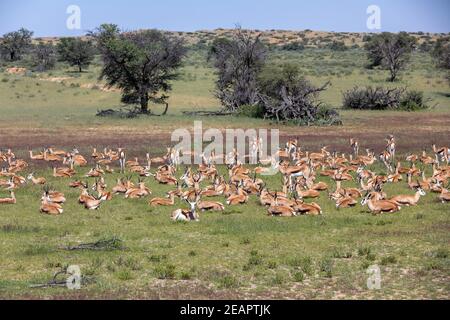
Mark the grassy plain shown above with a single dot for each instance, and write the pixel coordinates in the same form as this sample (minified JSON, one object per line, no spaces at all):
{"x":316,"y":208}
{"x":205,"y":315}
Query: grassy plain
{"x":241,"y":253}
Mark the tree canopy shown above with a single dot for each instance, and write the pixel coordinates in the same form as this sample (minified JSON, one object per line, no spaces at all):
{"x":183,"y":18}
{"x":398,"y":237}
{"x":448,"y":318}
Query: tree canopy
{"x":238,"y":62}
{"x":76,"y":52}
{"x":141,"y":63}
{"x":390,"y":51}
{"x":15,"y":44}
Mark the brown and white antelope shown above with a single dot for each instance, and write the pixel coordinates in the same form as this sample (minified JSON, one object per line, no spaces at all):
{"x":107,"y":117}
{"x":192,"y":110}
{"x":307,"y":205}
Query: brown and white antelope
{"x":186,"y":214}
{"x":170,"y":201}
{"x":408,"y":200}
{"x":379,"y":206}
{"x":36,"y":181}
{"x":10,"y":200}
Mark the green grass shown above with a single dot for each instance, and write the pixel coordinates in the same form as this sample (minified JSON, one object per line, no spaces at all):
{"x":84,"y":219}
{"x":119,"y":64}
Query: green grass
{"x":260,"y":252}
{"x":68,"y":104}
{"x":241,"y":253}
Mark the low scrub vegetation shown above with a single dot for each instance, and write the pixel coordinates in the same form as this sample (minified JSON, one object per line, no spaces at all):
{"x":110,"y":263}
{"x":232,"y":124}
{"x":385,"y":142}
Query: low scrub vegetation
{"x":379,"y":98}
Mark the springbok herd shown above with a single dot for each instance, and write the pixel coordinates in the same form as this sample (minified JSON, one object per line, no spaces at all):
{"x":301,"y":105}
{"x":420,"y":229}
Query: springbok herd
{"x":299,"y":170}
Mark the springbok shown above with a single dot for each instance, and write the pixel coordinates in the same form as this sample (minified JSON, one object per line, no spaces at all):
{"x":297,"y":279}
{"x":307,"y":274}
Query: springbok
{"x":170,"y":201}
{"x":48,"y":206}
{"x":100,"y":187}
{"x":345,"y":201}
{"x":186,"y":215}
{"x":36,"y":181}
{"x":444,"y":196}
{"x":36,"y":157}
{"x":84,"y":196}
{"x":312,"y":208}
{"x":10,"y":200}
{"x":240,"y":198}
{"x":355,"y":147}
{"x":379,"y":206}
{"x":442,"y":154}
{"x":51,"y":157}
{"x":210,"y":206}
{"x":53,"y":196}
{"x":94,"y":204}
{"x":390,"y":147}
{"x":139,"y":192}
{"x":409,"y":200}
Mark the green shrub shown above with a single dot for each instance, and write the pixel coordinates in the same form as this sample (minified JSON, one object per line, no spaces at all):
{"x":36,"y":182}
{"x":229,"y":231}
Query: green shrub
{"x":250,"y":111}
{"x":379,"y":98}
{"x":413,"y":101}
{"x":124,"y":275}
{"x":165,"y":271}
{"x":227,"y":282}
{"x":299,"y":276}
{"x":388,"y":260}
{"x":326,"y":266}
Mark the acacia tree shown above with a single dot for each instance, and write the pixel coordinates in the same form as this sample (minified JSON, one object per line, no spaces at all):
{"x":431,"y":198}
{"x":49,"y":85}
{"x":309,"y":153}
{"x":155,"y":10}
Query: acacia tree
{"x":286,"y":95}
{"x":391,"y":51}
{"x":44,"y":56}
{"x":141,"y":63}
{"x":76,"y":52}
{"x":238,"y":62}
{"x":14,"y":44}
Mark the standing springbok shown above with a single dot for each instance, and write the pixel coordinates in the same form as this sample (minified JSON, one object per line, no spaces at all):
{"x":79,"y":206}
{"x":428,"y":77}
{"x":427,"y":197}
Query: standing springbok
{"x":355,"y":147}
{"x":390,"y":147}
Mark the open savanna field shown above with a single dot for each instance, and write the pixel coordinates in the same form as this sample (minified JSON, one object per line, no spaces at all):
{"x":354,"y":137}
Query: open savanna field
{"x":240,"y":253}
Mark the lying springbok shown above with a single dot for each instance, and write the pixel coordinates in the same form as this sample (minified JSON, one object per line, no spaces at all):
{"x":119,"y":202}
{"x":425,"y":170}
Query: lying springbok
{"x":409,"y":200}
{"x":240,"y":198}
{"x":312,"y":208}
{"x":48,"y":206}
{"x":138,"y":192}
{"x":379,"y":206}
{"x":280,"y":210}
{"x":100,"y":187}
{"x":186,"y":214}
{"x":84,"y":196}
{"x":36,"y":181}
{"x":94,"y":204}
{"x":10,"y":200}
{"x":444,"y":196}
{"x":210,"y":206}
{"x":170,"y":201}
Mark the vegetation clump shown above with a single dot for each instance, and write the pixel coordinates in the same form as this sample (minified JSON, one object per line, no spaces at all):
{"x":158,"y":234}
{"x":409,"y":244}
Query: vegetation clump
{"x":380,"y":98}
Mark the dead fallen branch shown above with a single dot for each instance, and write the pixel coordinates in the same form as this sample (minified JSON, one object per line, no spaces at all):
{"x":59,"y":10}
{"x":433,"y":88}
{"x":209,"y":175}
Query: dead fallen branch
{"x":60,"y":280}
{"x":207,"y":113}
{"x":106,"y":244}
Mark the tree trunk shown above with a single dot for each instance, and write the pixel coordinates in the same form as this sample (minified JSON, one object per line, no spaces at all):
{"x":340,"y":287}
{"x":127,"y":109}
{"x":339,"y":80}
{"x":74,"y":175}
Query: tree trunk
{"x":393,"y":75}
{"x":144,"y":103}
{"x":79,"y":68}
{"x":165,"y":110}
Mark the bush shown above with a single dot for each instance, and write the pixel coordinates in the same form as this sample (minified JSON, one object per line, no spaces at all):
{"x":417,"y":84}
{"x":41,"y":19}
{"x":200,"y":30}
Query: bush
{"x":250,"y":111}
{"x":299,"y":276}
{"x":413,"y":101}
{"x":165,"y":271}
{"x":293,"y":46}
{"x":379,"y":98}
{"x":337,"y":46}
{"x":288,"y":97}
{"x":326,"y":266}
